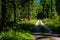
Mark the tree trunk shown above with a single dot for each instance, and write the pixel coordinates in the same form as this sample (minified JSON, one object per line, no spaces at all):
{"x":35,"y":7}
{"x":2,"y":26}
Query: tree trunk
{"x":3,"y":26}
{"x":43,"y":6}
{"x":47,"y":10}
{"x":14,"y":7}
{"x":51,"y":6}
{"x":29,"y":14}
{"x":14,"y":13}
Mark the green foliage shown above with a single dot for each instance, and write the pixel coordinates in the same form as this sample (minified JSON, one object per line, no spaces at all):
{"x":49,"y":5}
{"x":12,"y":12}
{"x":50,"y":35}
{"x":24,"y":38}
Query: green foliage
{"x":49,"y":8}
{"x":11,"y":35}
{"x":54,"y":24}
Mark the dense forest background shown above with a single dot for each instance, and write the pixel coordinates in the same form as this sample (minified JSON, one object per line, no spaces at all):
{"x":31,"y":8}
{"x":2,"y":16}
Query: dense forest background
{"x":19,"y":16}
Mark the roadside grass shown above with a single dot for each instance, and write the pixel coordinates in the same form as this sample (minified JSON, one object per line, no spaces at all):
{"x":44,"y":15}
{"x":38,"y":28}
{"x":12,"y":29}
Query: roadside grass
{"x":53,"y":24}
{"x":11,"y":35}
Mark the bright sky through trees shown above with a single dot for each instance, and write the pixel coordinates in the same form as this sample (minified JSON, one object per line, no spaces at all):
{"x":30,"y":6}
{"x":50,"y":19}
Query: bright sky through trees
{"x":38,"y":1}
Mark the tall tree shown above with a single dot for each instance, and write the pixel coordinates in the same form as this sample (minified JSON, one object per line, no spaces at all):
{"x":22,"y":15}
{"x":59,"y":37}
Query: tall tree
{"x":14,"y":7}
{"x":3,"y":26}
{"x":29,"y":14}
{"x":58,"y":7}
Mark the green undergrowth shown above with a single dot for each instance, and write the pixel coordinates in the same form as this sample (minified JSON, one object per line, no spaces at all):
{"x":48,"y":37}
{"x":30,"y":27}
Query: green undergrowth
{"x":26,"y":25}
{"x":22,"y":30}
{"x":32,"y":21}
{"x":54,"y":24}
{"x":12,"y":35}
